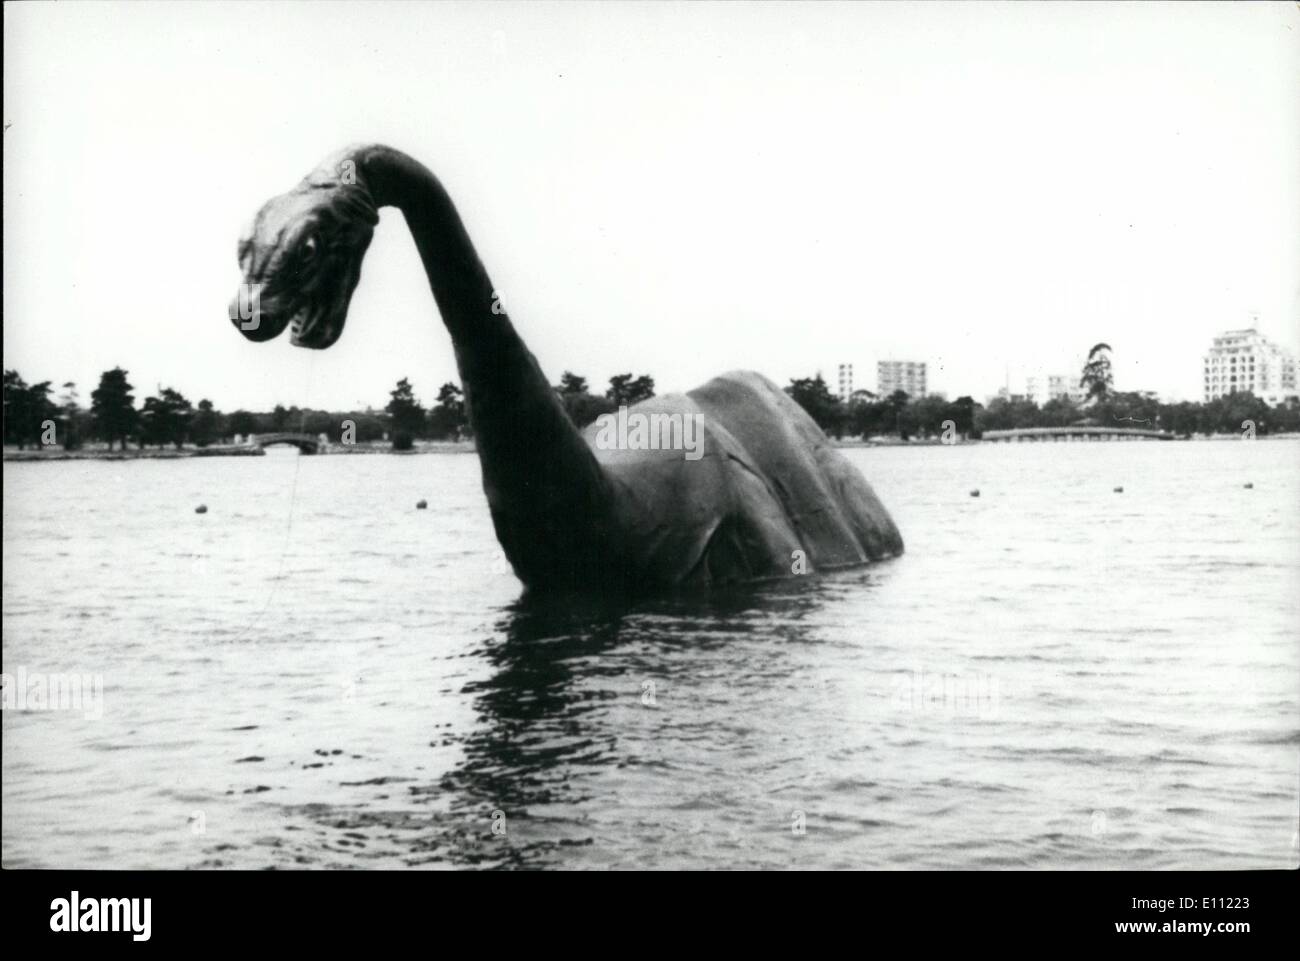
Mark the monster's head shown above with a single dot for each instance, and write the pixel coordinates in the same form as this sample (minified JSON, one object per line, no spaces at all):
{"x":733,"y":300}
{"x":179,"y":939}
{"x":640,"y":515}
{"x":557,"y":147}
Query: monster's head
{"x":301,"y":259}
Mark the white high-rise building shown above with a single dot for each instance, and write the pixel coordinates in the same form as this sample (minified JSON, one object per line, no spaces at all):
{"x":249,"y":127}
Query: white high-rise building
{"x":1246,"y":360}
{"x":846,"y":382}
{"x":1041,"y":389}
{"x":1063,"y":385}
{"x":905,"y":375}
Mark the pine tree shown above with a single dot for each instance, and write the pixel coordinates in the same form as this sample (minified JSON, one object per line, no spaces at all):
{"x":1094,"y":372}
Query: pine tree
{"x":113,"y":407}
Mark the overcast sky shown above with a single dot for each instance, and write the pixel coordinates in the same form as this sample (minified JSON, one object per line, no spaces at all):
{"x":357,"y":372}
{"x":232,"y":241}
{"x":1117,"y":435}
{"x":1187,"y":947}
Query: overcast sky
{"x":665,"y":189}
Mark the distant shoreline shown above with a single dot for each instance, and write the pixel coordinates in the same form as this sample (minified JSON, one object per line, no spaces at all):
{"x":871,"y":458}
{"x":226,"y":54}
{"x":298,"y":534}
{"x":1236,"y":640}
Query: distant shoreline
{"x":229,"y":450}
{"x":464,"y":447}
{"x":1002,"y":442}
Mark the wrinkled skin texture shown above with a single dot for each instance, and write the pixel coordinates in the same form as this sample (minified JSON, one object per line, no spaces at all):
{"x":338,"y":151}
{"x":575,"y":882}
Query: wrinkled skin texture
{"x":304,"y":253}
{"x":769,"y":484}
{"x":769,"y":497}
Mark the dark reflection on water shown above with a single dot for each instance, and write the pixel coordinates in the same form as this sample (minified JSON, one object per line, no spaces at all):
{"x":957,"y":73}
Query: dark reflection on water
{"x":559,"y":670}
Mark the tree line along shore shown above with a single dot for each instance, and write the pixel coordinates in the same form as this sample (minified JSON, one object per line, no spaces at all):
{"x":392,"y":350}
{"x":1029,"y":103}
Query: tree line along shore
{"x":39,"y":425}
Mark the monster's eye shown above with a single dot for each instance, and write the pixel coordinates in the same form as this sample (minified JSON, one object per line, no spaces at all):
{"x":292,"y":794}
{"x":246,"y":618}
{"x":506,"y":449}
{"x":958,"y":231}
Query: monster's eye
{"x":309,"y":248}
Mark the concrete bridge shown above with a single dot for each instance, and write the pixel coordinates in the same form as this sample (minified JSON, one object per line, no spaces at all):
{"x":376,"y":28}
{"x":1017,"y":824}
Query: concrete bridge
{"x":306,"y":443}
{"x":1060,"y":434}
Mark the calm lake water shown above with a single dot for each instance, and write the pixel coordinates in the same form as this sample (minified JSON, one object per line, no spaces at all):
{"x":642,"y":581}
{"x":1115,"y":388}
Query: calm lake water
{"x":315,"y":674}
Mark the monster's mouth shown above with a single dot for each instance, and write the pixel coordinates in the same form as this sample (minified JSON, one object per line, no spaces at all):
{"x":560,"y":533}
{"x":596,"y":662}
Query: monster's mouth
{"x":308,"y":327}
{"x":301,"y":324}
{"x":309,"y":323}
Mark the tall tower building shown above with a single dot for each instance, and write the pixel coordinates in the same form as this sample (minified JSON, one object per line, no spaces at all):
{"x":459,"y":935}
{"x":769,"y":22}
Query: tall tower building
{"x":846,"y":382}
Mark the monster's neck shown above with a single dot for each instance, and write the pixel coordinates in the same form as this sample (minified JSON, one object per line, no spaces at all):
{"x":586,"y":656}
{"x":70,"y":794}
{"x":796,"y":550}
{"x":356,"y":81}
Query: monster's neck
{"x":459,"y":281}
{"x":549,"y":498}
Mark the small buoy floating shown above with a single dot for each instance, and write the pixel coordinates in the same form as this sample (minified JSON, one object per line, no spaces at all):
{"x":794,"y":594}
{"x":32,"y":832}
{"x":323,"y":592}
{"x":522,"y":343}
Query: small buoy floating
{"x":421,"y":505}
{"x":1250,"y":486}
{"x":1119,"y":490}
{"x":201,"y":509}
{"x":975,"y":492}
